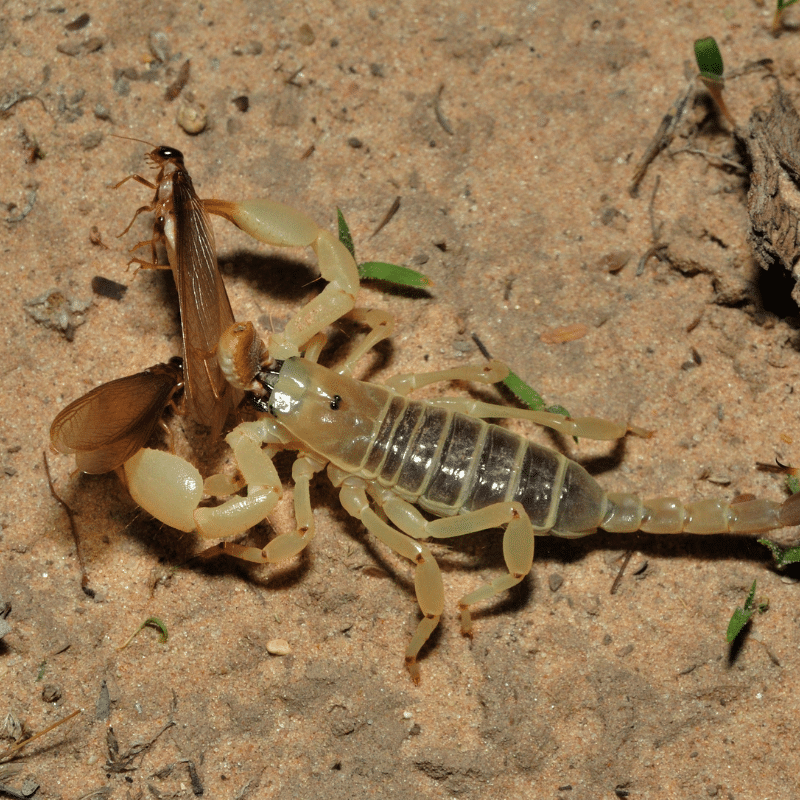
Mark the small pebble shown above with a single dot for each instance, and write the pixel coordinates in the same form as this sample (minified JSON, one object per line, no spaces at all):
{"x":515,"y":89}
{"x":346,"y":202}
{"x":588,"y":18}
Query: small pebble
{"x":278,"y":647}
{"x":51,"y":693}
{"x":192,"y":118}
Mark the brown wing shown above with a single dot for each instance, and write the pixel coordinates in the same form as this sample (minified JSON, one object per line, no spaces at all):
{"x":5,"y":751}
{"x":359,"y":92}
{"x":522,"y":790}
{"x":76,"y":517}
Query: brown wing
{"x":205,"y":309}
{"x":106,"y":426}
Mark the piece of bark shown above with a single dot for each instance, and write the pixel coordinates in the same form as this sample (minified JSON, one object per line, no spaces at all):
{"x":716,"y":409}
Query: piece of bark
{"x":773,"y":141}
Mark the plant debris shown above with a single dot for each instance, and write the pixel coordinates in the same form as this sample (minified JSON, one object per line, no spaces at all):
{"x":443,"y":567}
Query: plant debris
{"x":773,"y":141}
{"x":55,"y":310}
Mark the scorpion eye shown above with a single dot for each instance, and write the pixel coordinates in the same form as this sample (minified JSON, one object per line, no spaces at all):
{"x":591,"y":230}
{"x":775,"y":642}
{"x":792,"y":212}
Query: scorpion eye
{"x":336,"y":402}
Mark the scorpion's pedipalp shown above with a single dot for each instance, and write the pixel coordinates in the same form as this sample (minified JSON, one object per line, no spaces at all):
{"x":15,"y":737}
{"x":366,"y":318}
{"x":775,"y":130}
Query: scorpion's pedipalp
{"x":238,"y":514}
{"x":166,"y":486}
{"x":277,"y":224}
{"x":268,"y":221}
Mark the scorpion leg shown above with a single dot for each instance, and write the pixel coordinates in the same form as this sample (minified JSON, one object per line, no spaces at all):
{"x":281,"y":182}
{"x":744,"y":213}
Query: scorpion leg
{"x":382,"y":325}
{"x":518,"y":539}
{"x":587,"y":427}
{"x":427,"y":576}
{"x":277,"y":224}
{"x":493,"y":372}
{"x":264,"y":490}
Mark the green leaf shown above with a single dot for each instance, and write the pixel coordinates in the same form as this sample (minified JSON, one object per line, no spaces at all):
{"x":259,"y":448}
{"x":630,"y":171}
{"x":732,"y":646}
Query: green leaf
{"x":344,"y":233}
{"x":379,"y":270}
{"x":793,"y":483}
{"x":709,"y":59}
{"x":530,"y":397}
{"x":785,"y":4}
{"x":393,"y":273}
{"x":748,"y":604}
{"x":525,"y":393}
{"x":739,"y":619}
{"x":741,"y":616}
{"x":782,"y":557}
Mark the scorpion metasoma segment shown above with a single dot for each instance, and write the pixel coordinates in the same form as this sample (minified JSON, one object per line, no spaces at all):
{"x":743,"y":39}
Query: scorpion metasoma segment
{"x":383,"y":449}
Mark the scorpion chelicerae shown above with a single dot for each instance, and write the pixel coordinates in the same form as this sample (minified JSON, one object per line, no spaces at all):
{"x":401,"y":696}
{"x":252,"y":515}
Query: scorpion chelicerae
{"x":403,"y":455}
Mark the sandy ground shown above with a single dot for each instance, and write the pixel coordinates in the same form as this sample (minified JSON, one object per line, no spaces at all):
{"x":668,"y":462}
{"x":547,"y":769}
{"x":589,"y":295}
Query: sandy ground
{"x":511,"y":136}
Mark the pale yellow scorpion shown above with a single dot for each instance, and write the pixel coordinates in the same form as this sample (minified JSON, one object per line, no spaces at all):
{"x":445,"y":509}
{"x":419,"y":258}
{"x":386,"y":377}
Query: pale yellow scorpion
{"x":386,"y":451}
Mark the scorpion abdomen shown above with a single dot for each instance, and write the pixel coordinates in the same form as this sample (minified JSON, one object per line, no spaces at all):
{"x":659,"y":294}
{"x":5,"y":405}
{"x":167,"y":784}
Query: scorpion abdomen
{"x":450,"y":463}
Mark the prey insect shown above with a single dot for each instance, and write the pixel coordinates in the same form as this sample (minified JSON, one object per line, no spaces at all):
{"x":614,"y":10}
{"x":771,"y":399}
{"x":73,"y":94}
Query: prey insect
{"x":106,"y":426}
{"x":403,"y":457}
{"x":183,"y":226}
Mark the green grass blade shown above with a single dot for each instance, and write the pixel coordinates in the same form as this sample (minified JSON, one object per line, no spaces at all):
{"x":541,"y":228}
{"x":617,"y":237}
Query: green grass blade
{"x":524,"y":393}
{"x":345,"y":236}
{"x":393,"y":273}
{"x":782,"y":557}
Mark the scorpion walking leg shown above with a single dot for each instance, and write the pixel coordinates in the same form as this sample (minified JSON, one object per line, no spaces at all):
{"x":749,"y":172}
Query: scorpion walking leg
{"x":382,"y":325}
{"x":427,"y":576}
{"x":264,"y":490}
{"x":493,"y":372}
{"x":518,"y":539}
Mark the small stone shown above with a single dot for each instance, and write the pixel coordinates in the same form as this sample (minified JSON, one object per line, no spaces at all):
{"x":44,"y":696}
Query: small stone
{"x":159,"y":46}
{"x":306,"y":34}
{"x":278,"y":647}
{"x":51,"y":693}
{"x":192,"y":118}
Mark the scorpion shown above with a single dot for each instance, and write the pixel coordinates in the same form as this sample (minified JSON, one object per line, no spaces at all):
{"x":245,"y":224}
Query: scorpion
{"x":380,"y":448}
{"x":405,"y":457}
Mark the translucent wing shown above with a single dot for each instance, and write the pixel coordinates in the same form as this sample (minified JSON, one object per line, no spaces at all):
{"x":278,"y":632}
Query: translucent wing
{"x":205,"y":309}
{"x":106,"y":426}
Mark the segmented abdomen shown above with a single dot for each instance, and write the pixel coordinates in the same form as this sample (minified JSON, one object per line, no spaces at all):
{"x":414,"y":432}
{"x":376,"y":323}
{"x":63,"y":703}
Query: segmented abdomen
{"x":449,"y":463}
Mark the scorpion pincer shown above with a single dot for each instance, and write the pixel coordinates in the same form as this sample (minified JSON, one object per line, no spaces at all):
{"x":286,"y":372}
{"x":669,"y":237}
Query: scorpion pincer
{"x":407,"y":456}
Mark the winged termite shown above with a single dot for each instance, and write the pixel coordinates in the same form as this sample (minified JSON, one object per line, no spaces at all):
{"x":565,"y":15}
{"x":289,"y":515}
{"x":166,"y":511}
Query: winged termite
{"x":109,"y":424}
{"x":182,"y":225}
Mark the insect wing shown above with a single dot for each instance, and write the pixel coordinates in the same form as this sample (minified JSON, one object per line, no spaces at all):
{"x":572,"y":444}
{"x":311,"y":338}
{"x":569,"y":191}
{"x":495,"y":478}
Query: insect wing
{"x":106,"y":426}
{"x":205,"y":309}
